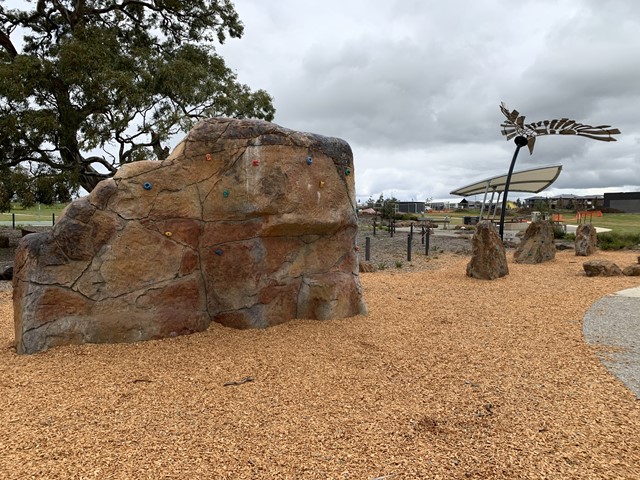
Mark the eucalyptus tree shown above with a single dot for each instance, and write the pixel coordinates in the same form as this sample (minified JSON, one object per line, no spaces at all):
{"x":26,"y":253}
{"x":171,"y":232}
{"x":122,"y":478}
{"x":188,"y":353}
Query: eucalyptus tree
{"x":89,"y":85}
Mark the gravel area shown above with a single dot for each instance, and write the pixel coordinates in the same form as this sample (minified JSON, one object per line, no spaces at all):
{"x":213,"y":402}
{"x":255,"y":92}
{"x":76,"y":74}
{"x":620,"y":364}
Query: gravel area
{"x":447,"y":377}
{"x":613,"y":323}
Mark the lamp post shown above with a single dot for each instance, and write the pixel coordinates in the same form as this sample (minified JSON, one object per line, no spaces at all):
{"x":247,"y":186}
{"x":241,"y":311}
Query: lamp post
{"x":520,"y":142}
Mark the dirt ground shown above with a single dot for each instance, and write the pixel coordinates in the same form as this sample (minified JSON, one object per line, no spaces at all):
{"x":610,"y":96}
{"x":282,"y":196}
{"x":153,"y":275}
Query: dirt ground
{"x":447,"y":377}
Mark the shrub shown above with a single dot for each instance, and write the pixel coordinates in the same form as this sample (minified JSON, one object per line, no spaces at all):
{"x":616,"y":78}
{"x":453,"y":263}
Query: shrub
{"x":618,"y":241}
{"x":558,"y":231}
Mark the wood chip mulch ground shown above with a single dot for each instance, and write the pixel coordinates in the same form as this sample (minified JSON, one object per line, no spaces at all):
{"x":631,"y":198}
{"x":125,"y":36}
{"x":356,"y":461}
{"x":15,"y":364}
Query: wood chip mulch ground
{"x":447,"y":377}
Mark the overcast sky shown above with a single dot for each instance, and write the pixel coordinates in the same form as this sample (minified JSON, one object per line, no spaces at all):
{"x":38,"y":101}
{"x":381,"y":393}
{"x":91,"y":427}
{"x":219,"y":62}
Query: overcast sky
{"x":414,"y":85}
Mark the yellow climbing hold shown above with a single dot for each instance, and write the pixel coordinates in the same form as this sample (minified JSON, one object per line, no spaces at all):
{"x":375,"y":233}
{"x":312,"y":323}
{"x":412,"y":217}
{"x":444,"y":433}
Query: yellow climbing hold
{"x":168,"y":234}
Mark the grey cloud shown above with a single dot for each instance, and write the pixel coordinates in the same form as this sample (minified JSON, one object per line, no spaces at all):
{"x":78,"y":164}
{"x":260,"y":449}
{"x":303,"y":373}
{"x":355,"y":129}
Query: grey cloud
{"x":414,"y":86}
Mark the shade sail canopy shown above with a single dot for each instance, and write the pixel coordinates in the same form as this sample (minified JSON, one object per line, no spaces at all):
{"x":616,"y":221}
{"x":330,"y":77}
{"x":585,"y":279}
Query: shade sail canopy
{"x":533,"y":180}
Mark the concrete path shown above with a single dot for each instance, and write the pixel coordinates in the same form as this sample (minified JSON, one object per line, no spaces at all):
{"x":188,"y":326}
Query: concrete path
{"x":574,"y":228}
{"x":613,"y":323}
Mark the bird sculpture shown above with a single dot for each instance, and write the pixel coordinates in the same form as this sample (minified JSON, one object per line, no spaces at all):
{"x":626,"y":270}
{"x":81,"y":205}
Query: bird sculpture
{"x":526,"y":134}
{"x":515,"y":126}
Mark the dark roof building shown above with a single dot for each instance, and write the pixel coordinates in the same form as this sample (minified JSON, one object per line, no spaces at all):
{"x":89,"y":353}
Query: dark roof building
{"x":625,"y":202}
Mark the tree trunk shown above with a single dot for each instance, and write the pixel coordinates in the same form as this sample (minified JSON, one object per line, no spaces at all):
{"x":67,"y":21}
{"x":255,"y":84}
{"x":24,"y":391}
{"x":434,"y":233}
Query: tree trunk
{"x":91,"y":177}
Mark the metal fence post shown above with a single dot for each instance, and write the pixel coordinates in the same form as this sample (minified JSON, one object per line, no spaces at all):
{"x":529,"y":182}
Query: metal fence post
{"x":426,"y":241}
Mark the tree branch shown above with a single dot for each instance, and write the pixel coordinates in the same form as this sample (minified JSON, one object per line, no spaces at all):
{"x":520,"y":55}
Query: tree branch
{"x":7,"y":44}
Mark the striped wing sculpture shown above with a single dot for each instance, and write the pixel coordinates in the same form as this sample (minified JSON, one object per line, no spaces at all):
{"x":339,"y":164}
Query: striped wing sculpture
{"x":526,"y":133}
{"x":514,"y":125}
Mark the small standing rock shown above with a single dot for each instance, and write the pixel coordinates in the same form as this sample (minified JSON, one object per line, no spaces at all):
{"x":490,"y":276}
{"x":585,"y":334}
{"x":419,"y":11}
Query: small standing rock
{"x":586,"y":240}
{"x":537,"y":245}
{"x":601,"y":268}
{"x":489,"y":258}
{"x":366,"y":267}
{"x":632,"y":270}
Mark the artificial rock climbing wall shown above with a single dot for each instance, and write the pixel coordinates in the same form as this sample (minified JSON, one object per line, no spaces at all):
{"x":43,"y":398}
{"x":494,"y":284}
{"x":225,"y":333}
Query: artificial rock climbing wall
{"x":247,"y":224}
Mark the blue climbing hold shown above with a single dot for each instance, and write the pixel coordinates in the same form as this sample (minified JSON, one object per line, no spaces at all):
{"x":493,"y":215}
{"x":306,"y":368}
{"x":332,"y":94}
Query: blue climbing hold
{"x":347,"y":171}
{"x":225,"y":194}
{"x":309,"y":160}
{"x":147,"y":185}
{"x":218,"y":252}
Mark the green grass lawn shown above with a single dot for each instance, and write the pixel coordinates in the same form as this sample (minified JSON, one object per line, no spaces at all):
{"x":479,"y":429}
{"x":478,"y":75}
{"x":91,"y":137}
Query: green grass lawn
{"x":618,"y":222}
{"x":25,"y":216}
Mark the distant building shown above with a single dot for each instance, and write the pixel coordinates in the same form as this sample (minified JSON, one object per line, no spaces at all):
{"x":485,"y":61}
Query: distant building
{"x":411,"y":207}
{"x":439,"y":206}
{"x":625,"y":202}
{"x":568,"y":201}
{"x":465,"y":204}
{"x":563,"y":201}
{"x":589,"y":202}
{"x":531,"y":201}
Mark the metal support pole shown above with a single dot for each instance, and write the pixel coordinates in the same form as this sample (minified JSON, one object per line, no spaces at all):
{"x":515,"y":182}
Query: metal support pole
{"x":367,"y":248}
{"x":13,"y":220}
{"x":491,"y":205}
{"x":409,"y":248}
{"x":495,"y":209}
{"x":520,"y":142}
{"x":422,"y":235}
{"x":53,"y":219}
{"x":484,"y":201}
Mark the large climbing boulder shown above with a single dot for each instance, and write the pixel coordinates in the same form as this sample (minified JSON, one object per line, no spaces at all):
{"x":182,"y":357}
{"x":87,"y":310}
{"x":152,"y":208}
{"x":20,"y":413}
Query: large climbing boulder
{"x":246,"y":223}
{"x":537,"y":244}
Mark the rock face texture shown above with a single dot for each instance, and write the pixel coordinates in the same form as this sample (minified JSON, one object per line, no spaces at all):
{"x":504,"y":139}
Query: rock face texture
{"x":601,"y":268}
{"x":586,"y":240}
{"x":537,"y":244}
{"x":632,"y":270}
{"x":247,"y":224}
{"x":488,"y":256}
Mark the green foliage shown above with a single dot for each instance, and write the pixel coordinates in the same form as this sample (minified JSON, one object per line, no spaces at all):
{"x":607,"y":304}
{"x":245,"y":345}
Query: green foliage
{"x":108,"y":83}
{"x":542,"y":206}
{"x":618,"y":241}
{"x":28,"y":188}
{"x":558,"y":231}
{"x":386,"y":206}
{"x":398,"y":264}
